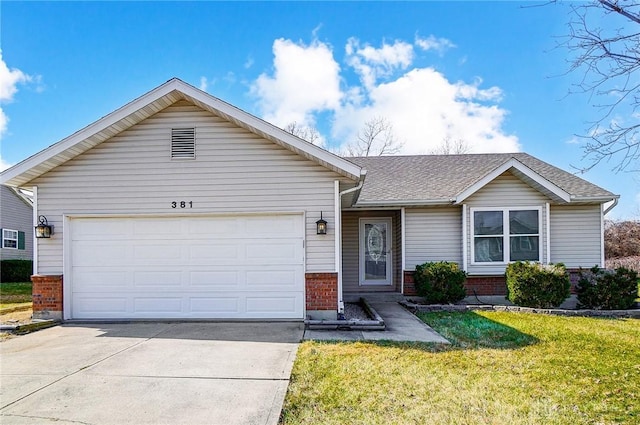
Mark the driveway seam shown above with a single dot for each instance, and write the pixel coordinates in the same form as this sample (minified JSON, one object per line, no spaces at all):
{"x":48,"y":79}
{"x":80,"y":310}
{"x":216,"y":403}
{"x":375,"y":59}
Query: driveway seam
{"x":81,"y":370}
{"x":44,"y":417}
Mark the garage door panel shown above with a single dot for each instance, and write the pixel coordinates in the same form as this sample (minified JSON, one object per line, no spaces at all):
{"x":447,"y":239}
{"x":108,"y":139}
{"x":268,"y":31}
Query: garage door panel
{"x":166,"y":279}
{"x":158,"y":251}
{"x":188,"y":267}
{"x":220,"y":227}
{"x":216,"y":305}
{"x":145,"y":304}
{"x":158,"y":227}
{"x":98,"y":253}
{"x":213,"y":252}
{"x":100,"y":229}
{"x":210,"y":278}
{"x":285,"y":226}
{"x":96,"y":279}
{"x":271,"y":304}
{"x":92,"y":307}
{"x":284,"y":252}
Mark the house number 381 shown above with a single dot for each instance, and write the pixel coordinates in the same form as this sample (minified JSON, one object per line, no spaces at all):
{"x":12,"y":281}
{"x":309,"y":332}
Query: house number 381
{"x":182,"y":204}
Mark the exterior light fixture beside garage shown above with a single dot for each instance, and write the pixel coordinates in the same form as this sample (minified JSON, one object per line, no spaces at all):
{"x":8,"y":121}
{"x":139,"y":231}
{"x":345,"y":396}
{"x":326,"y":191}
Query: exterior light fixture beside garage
{"x":43,"y":229}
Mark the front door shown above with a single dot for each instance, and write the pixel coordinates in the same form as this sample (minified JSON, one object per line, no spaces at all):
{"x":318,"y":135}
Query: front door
{"x":375,"y":251}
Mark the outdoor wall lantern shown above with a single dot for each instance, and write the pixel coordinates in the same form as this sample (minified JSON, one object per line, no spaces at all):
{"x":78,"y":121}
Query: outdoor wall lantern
{"x":43,"y":230}
{"x":321,"y":226}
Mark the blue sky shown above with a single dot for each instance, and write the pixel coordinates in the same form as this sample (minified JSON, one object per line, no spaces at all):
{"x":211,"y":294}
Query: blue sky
{"x":489,"y":73}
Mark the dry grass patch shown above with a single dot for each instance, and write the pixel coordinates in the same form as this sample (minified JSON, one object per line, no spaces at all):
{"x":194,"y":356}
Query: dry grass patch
{"x":503,"y":368}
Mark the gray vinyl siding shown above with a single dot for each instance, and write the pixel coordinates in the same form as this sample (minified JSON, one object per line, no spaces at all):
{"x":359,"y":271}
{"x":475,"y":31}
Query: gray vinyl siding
{"x":433,"y":234}
{"x":16,"y":214}
{"x":235,"y":171}
{"x":504,"y":192}
{"x":351,"y":250}
{"x":576,"y":235}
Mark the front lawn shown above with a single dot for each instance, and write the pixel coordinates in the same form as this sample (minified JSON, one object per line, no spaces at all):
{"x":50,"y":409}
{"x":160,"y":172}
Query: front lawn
{"x":14,"y":293}
{"x":502,"y":368}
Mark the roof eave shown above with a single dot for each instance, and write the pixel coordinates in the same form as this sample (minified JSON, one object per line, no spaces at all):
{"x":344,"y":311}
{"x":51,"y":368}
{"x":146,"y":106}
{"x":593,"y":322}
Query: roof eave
{"x":405,"y":203}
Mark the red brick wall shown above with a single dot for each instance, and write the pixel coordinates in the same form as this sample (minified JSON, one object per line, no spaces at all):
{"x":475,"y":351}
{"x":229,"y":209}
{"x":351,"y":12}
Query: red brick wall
{"x":322,"y":291}
{"x":409,"y":287}
{"x":47,"y":293}
{"x":483,"y":285}
{"x":486,"y":285}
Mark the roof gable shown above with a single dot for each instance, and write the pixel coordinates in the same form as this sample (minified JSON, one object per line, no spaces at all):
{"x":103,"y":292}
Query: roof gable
{"x":525,"y":174}
{"x":151,"y":103}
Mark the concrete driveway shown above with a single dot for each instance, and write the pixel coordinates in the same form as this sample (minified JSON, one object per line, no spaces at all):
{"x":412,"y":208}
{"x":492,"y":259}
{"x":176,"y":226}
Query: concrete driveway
{"x":148,"y":373}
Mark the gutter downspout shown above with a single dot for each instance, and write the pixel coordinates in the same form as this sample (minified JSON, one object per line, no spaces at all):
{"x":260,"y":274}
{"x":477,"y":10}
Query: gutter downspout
{"x":338,"y":219}
{"x":610,"y":207}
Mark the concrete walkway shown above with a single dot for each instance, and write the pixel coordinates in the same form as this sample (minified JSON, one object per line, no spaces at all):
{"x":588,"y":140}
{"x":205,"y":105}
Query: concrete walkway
{"x":401,"y":326}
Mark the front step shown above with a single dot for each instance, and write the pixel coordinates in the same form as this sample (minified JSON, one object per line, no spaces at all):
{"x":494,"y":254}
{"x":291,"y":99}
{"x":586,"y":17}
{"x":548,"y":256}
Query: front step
{"x":352,"y":297}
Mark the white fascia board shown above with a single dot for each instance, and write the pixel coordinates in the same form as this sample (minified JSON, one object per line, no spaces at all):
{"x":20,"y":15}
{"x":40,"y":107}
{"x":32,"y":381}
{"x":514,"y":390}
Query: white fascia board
{"x":513,"y":163}
{"x":411,"y":203}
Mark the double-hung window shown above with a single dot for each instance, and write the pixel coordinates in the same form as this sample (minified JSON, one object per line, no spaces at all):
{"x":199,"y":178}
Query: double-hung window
{"x":9,"y":239}
{"x":501,"y":235}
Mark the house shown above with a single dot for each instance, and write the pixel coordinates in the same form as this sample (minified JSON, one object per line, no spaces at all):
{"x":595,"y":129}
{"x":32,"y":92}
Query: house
{"x":179,"y":205}
{"x":16,"y":222}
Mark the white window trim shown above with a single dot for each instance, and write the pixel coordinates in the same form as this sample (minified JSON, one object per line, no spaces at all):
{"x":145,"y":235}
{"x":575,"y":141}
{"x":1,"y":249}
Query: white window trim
{"x":10,"y":239}
{"x":505,"y":236}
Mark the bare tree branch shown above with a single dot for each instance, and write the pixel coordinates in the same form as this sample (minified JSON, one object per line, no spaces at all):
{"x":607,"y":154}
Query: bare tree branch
{"x":376,"y":138}
{"x":310,"y":134}
{"x":451,"y":147}
{"x":609,"y":58}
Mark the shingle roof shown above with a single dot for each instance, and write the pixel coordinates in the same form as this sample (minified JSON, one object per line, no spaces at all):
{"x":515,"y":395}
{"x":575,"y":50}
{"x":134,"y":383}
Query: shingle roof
{"x":442,"y":177}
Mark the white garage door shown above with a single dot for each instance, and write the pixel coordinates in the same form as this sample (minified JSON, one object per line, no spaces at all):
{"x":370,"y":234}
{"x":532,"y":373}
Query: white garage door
{"x":204,"y":267}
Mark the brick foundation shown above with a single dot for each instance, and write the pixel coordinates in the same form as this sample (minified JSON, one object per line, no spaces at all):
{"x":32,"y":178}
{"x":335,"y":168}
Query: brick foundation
{"x":409,"y":286}
{"x":321,"y":292}
{"x":484,"y":285}
{"x":47,"y":297}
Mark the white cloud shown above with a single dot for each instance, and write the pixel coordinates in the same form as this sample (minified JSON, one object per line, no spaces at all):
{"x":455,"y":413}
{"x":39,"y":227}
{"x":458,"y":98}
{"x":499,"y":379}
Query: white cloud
{"x":424,"y":107}
{"x":374,"y":63}
{"x":306,"y":79}
{"x":203,"y":83}
{"x":9,"y":80}
{"x":4,"y":164}
{"x":434,"y":43}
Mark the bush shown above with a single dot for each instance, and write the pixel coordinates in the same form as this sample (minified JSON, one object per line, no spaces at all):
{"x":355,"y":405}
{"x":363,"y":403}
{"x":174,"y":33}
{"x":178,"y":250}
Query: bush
{"x":440,"y":283}
{"x":605,"y":289}
{"x":537,"y":285}
{"x":16,"y":270}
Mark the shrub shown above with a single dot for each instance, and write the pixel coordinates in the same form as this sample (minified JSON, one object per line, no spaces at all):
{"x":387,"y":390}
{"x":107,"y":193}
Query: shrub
{"x":440,"y":282}
{"x":16,"y":270}
{"x":537,"y":285}
{"x":605,"y":289}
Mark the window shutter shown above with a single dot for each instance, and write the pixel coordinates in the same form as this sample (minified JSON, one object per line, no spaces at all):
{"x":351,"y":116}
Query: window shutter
{"x":20,"y":240}
{"x":183,"y":143}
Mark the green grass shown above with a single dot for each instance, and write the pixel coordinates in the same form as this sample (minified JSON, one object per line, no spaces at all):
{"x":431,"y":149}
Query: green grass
{"x":502,"y":368}
{"x":14,"y":293}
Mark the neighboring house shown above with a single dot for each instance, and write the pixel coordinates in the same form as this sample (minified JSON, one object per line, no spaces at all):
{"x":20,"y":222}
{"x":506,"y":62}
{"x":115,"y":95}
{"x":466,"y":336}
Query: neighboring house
{"x":16,"y":224}
{"x":179,"y":205}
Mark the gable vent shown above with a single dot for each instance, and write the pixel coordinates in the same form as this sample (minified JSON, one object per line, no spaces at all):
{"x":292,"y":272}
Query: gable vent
{"x":183,"y":143}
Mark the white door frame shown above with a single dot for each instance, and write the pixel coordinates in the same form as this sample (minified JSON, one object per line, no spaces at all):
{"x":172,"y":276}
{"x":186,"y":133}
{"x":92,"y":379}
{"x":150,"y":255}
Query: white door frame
{"x":388,"y":281}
